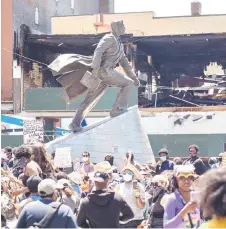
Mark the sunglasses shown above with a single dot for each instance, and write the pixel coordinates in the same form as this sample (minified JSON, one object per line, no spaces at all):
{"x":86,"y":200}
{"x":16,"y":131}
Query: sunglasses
{"x":127,"y":173}
{"x":101,"y":175}
{"x":155,"y":184}
{"x":85,"y":155}
{"x":158,"y":183}
{"x":183,"y":177}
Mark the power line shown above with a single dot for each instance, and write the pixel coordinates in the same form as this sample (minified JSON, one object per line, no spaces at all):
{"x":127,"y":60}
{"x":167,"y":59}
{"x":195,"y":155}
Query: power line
{"x":23,"y":56}
{"x":160,"y":87}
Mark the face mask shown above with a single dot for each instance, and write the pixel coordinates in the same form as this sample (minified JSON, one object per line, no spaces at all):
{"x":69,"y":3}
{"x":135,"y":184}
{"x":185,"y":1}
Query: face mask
{"x":163,"y":158}
{"x":85,"y":159}
{"x":192,"y":154}
{"x":127,"y":177}
{"x":157,"y":190}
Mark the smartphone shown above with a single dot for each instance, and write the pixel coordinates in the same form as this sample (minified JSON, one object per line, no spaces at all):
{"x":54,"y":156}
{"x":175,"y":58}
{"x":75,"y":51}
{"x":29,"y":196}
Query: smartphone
{"x":194,"y":196}
{"x":135,"y":183}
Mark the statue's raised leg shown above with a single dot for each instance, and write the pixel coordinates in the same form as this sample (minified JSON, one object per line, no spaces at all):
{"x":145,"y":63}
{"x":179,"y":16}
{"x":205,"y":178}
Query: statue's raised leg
{"x":116,"y":79}
{"x":90,"y":101}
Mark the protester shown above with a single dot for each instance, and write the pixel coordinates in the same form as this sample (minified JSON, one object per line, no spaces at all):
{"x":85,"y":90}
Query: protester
{"x":35,"y":211}
{"x":179,"y":210}
{"x":130,"y":160}
{"x":68,"y":196}
{"x":106,"y":167}
{"x":86,"y":186}
{"x":75,"y":179}
{"x":103,"y":208}
{"x":9,"y":156}
{"x":114,"y":180}
{"x":164,"y":163}
{"x":87,"y":166}
{"x":134,"y":194}
{"x":156,"y":210}
{"x":213,"y":198}
{"x":149,"y":196}
{"x":18,"y":164}
{"x":40,"y":156}
{"x":219,"y":161}
{"x":178,"y":161}
{"x":32,"y":168}
{"x":194,"y":160}
{"x":212,"y":161}
{"x":32,"y":184}
{"x":110,"y":159}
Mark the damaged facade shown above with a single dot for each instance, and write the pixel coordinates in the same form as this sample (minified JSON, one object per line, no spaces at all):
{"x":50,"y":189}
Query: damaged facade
{"x":174,"y":67}
{"x":171,"y":67}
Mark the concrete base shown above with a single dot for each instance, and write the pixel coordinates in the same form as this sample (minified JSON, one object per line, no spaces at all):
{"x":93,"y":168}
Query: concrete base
{"x":116,"y":136}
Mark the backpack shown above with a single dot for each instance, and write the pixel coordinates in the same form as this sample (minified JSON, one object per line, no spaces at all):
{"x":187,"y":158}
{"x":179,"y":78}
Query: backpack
{"x":46,"y":221}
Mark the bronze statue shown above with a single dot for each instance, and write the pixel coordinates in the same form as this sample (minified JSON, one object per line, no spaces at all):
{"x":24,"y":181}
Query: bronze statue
{"x":97,"y":74}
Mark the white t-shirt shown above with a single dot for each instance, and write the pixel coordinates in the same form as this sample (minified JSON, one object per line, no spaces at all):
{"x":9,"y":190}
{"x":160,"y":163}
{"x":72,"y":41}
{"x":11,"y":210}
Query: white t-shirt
{"x":126,"y":191}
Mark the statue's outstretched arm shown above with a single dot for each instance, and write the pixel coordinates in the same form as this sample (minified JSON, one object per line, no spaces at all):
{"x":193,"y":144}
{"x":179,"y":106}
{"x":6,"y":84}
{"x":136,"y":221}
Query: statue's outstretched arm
{"x":129,"y":70}
{"x":103,"y":45}
{"x":127,"y":67}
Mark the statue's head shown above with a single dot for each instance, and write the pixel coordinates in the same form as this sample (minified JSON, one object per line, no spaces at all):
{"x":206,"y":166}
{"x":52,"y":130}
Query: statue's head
{"x":118,"y":27}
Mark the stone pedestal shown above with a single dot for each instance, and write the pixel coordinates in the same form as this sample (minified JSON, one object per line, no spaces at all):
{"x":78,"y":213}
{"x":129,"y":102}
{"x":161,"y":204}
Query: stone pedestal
{"x":116,"y":136}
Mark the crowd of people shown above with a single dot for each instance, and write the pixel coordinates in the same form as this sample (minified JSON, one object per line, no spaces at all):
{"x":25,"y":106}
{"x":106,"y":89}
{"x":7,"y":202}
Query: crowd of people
{"x":169,"y":194}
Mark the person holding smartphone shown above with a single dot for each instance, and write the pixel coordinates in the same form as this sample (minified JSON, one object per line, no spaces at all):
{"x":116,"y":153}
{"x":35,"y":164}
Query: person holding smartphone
{"x":134,"y":194}
{"x":181,"y":209}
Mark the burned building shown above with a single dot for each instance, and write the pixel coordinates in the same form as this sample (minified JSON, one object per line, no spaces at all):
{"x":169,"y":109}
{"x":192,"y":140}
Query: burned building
{"x":175,"y":65}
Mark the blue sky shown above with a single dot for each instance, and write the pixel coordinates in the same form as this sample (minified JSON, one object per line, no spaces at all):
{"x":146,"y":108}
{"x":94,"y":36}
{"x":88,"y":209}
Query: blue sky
{"x":169,"y":7}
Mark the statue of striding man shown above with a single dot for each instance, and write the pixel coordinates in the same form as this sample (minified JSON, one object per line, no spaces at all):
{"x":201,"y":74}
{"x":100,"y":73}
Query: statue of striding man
{"x":108,"y":54}
{"x":78,"y":74}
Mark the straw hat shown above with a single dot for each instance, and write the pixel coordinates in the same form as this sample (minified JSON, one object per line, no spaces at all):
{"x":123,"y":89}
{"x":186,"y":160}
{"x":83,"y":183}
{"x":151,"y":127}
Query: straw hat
{"x":103,"y":166}
{"x":134,"y":170}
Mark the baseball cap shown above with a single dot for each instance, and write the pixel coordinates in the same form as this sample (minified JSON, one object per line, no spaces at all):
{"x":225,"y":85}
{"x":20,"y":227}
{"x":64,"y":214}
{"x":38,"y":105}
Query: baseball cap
{"x":100,"y":177}
{"x":33,"y":182}
{"x":64,"y":183}
{"x":47,"y":187}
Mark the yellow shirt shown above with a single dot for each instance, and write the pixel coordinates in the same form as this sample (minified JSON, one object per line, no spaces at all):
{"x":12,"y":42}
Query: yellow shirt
{"x":216,"y":222}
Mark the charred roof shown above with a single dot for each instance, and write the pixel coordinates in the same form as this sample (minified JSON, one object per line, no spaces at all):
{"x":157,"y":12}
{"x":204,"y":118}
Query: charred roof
{"x":210,"y":47}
